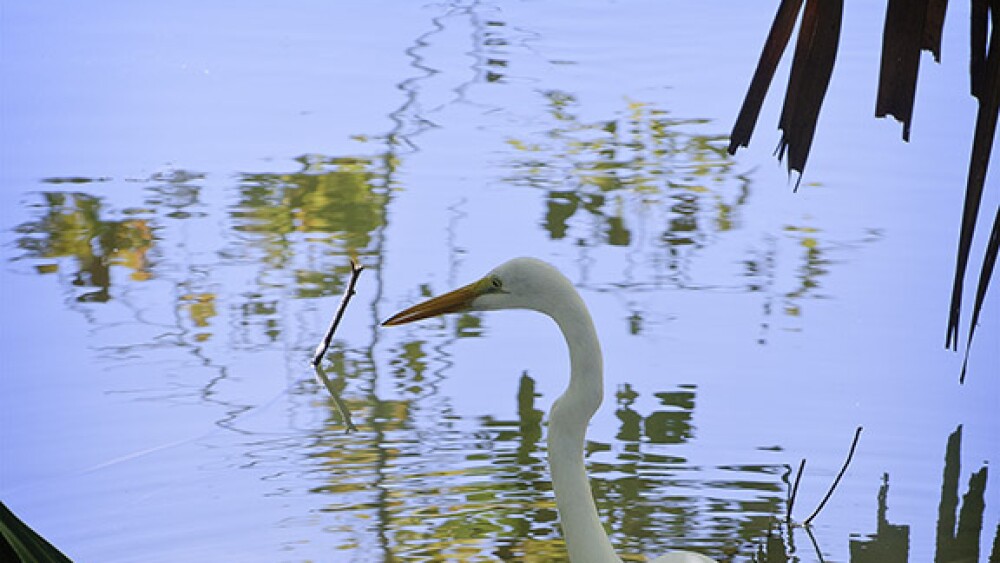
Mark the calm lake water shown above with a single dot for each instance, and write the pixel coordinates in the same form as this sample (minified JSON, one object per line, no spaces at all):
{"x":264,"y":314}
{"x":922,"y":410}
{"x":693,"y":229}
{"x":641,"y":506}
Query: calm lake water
{"x":183,"y":185}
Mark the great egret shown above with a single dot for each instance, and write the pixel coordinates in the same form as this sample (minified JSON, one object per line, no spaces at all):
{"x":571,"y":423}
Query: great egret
{"x":528,"y":283}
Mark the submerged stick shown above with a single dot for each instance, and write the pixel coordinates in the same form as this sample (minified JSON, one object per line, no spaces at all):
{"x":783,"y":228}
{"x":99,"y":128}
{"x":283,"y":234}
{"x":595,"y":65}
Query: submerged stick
{"x":850,"y":454}
{"x":348,"y":293}
{"x":345,"y":414}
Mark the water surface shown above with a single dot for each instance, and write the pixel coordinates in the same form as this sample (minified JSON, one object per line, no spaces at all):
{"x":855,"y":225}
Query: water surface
{"x":183,"y":188}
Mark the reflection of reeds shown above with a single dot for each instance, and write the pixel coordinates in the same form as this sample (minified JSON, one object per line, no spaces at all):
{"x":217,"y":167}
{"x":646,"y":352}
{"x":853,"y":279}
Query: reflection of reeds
{"x":959,"y":541}
{"x":890,"y":543}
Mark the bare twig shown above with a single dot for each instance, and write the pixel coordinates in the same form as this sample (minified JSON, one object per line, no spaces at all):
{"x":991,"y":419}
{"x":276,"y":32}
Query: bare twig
{"x":794,"y":491}
{"x":348,"y":293}
{"x":829,"y":493}
{"x":345,"y":414}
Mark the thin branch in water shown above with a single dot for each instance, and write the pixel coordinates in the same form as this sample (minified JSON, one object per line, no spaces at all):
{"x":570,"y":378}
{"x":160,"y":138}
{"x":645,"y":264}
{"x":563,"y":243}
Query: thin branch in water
{"x":348,"y":293}
{"x":794,"y":491}
{"x":829,"y":493}
{"x":345,"y":414}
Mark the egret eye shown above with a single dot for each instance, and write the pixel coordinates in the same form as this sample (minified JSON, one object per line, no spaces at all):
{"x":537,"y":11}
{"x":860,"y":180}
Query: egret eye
{"x":496,"y":284}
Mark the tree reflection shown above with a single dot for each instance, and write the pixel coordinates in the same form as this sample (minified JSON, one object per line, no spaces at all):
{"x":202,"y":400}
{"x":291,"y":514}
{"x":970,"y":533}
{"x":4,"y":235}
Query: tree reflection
{"x":304,"y":223}
{"x":619,"y":169}
{"x":75,"y":225}
{"x":338,"y":202}
{"x":660,"y":192}
{"x":644,"y":493}
{"x":647,"y":493}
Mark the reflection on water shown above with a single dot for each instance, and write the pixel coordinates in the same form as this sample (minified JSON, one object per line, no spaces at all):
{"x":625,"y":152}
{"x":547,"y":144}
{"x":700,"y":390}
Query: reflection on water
{"x":642,"y":491}
{"x":299,"y":225}
{"x":890,"y":542}
{"x":332,"y":203}
{"x":663,"y":192}
{"x":956,"y":540}
{"x":74,"y":225}
{"x":608,"y":177}
{"x":961,"y":542}
{"x":215,"y":271}
{"x":643,"y":181}
{"x":419,"y":480}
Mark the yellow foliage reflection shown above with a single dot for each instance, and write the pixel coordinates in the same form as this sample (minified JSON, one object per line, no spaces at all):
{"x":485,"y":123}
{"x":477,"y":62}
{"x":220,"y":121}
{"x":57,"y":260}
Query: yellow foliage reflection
{"x":616,"y":171}
{"x":73,"y":225}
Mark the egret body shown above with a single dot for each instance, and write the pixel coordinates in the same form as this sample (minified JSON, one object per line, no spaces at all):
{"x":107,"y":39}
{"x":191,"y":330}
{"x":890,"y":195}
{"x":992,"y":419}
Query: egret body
{"x":528,"y":283}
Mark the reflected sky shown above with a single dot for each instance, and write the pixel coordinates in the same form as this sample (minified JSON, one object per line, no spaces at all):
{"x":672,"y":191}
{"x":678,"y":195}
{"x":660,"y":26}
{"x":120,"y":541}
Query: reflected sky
{"x":179,"y":241}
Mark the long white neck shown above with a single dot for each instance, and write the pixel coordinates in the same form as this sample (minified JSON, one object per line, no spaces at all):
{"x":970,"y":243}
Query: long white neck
{"x":585,"y":537}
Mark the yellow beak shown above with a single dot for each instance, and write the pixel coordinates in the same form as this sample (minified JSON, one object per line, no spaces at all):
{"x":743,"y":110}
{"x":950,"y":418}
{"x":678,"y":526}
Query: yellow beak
{"x":451,"y":302}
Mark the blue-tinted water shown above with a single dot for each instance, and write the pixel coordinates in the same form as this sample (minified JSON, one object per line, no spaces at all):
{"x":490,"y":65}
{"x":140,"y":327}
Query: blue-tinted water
{"x":183,"y":187}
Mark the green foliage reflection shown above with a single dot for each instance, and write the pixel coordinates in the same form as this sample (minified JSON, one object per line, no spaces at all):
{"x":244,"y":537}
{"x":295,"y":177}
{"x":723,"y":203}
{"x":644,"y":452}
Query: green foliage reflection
{"x":611,"y":173}
{"x":338,"y":196}
{"x":74,"y":225}
{"x":661,"y":193}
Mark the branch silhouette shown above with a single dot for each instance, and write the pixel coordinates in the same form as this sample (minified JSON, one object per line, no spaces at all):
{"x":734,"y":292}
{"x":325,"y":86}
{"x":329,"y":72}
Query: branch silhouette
{"x":348,"y":293}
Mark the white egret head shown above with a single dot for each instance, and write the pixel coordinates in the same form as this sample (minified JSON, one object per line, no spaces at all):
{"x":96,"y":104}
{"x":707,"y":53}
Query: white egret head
{"x":521,"y":283}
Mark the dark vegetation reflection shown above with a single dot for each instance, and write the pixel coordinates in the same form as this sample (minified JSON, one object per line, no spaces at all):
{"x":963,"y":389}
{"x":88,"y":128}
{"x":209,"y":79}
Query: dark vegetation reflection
{"x":643,"y":489}
{"x":959,"y":524}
